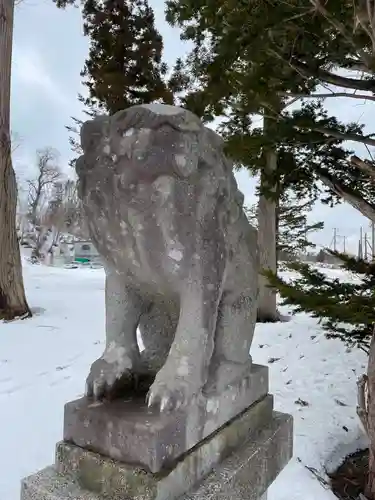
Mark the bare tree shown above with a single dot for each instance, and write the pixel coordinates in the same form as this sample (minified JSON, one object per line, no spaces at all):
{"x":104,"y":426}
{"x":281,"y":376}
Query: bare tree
{"x":41,"y":186}
{"x":13,"y":301}
{"x":58,"y":217}
{"x":22,"y":212}
{"x":40,"y":190}
{"x":73,"y":212}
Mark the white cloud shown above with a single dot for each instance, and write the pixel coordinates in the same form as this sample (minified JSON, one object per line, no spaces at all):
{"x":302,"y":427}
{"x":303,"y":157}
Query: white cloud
{"x":30,"y":70}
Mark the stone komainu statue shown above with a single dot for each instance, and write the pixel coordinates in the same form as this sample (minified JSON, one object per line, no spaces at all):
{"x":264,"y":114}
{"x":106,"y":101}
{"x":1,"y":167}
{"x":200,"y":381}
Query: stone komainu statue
{"x":165,"y":213}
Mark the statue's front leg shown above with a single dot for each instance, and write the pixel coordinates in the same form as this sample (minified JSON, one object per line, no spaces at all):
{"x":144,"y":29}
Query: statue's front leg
{"x":112,"y":374}
{"x":186,"y":370}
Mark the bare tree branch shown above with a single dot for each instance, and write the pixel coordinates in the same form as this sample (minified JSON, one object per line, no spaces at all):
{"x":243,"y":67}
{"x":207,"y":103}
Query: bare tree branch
{"x":366,"y":166}
{"x":348,"y":195}
{"x":345,"y":137}
{"x":332,"y":78}
{"x":331,"y":94}
{"x":341,"y":28}
{"x":364,"y":17}
{"x":307,"y":72}
{"x":357,"y":65}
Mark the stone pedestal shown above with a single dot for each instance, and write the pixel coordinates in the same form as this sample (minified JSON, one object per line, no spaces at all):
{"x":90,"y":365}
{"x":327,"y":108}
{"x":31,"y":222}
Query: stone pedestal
{"x":129,"y":432}
{"x":230,"y":445}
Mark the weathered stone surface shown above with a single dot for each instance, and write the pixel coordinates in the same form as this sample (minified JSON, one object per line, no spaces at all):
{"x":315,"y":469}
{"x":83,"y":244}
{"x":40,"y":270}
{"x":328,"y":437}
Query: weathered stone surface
{"x":105,"y":476}
{"x":47,"y":484}
{"x":244,"y":475}
{"x":165,"y":213}
{"x":181,"y":260}
{"x":248,"y":472}
{"x":131,"y":432}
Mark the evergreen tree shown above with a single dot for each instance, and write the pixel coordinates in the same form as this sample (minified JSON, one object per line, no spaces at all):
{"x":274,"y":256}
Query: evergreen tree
{"x":346,"y":309}
{"x":293,"y":227}
{"x":235,"y":75}
{"x":249,"y":57}
{"x":124,"y":66}
{"x":278,"y":52}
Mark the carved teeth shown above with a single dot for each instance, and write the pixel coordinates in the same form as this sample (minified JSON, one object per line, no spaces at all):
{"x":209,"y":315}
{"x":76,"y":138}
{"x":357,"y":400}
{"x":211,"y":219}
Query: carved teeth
{"x":149,"y":399}
{"x":164,"y":403}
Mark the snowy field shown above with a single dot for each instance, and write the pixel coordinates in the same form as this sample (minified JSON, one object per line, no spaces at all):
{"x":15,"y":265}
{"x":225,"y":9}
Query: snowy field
{"x":44,"y":362}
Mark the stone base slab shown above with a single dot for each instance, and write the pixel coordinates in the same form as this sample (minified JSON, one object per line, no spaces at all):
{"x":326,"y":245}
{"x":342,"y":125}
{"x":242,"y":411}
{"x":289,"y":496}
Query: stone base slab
{"x":245,"y":474}
{"x":127,"y":431}
{"x":248,"y":472}
{"x":103,"y":475}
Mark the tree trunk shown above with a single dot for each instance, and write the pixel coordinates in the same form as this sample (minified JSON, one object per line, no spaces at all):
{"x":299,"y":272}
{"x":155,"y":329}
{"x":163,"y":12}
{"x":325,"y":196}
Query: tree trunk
{"x":13,"y":302}
{"x":267,"y":220}
{"x":277,"y":230}
{"x":366,"y":413}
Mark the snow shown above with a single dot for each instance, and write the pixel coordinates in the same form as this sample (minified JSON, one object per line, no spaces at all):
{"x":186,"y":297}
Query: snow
{"x":44,"y":362}
{"x":163,"y":109}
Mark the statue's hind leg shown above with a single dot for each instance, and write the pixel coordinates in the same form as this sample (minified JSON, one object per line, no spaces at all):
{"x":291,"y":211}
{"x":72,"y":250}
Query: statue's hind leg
{"x":157,"y":328}
{"x":235,"y":326}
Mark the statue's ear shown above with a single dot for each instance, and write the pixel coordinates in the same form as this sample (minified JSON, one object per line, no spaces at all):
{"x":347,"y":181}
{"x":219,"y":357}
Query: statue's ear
{"x":187,"y":159}
{"x":211,"y":150}
{"x":203,"y":147}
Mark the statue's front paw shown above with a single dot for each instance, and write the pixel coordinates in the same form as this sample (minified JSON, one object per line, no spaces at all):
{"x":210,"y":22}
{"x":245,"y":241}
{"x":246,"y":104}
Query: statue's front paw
{"x":109,"y":379}
{"x":171,"y":393}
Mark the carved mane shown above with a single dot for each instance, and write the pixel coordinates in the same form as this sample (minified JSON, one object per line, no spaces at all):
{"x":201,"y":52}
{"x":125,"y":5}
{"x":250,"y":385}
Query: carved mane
{"x":110,"y":142}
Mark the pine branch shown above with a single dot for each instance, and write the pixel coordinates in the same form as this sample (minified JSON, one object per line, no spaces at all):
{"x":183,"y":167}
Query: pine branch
{"x":345,"y":309}
{"x":330,"y":132}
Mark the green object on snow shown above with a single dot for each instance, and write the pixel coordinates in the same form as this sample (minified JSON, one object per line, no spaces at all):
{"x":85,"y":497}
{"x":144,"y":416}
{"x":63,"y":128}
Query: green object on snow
{"x":83,"y":260}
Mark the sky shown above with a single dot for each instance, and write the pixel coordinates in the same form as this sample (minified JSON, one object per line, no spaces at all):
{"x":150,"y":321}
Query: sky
{"x":48,"y":55}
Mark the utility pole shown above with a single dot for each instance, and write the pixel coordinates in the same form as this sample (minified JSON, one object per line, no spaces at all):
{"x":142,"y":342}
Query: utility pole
{"x":365,"y":246}
{"x":360,"y":249}
{"x":335,"y":239}
{"x":373,"y":240}
{"x":344,"y":244}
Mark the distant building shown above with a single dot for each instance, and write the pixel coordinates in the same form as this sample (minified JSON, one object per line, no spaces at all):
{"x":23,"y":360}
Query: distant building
{"x":325,"y":257}
{"x":85,"y":251}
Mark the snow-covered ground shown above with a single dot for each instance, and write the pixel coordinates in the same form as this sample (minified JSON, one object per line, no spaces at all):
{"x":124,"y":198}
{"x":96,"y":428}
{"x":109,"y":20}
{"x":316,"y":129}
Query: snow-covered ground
{"x":44,"y":362}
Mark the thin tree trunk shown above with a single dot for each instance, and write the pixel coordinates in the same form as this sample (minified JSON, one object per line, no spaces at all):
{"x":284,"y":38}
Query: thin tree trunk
{"x":366,"y":413}
{"x":277,"y":230}
{"x":267,"y":220}
{"x":12,"y":294}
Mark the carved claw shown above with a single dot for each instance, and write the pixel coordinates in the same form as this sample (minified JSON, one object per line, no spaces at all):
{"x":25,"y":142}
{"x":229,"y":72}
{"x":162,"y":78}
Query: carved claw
{"x":108,"y":380}
{"x":169,"y":397}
